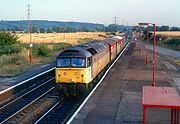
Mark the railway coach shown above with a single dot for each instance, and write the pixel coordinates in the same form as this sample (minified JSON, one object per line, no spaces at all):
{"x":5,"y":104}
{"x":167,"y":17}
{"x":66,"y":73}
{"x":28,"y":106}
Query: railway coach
{"x":78,"y":66}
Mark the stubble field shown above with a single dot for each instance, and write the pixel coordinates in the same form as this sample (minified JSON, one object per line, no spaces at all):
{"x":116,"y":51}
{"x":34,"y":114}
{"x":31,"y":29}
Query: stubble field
{"x":169,"y":33}
{"x":72,"y":38}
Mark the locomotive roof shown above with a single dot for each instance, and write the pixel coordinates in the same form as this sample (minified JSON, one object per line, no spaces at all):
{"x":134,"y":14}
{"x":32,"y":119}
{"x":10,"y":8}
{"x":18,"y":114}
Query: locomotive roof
{"x":74,"y":52}
{"x":97,"y":45}
{"x":84,"y":50}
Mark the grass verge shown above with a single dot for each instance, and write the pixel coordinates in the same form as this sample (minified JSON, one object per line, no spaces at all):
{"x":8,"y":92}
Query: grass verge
{"x":12,"y":64}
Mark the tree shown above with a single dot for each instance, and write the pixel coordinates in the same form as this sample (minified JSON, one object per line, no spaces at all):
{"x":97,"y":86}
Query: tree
{"x":164,"y":28}
{"x":7,"y":38}
{"x":84,"y":29}
{"x":42,"y":30}
{"x":112,"y":28}
{"x":49,"y":30}
{"x":175,"y":29}
{"x":34,"y":29}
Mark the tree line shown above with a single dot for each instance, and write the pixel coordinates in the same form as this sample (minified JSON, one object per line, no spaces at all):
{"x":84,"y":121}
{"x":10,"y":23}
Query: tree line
{"x":68,"y":29}
{"x":159,"y":28}
{"x":34,"y":29}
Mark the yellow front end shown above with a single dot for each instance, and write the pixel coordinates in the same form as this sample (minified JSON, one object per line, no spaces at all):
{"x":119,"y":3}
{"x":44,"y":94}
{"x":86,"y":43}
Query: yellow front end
{"x":73,"y":75}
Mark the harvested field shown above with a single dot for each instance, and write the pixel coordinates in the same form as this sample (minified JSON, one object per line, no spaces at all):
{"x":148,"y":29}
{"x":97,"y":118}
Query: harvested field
{"x":73,"y":38}
{"x":169,"y":33}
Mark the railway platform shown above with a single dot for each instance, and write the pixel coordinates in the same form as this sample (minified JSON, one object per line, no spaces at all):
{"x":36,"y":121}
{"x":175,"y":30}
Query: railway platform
{"x":118,"y":99}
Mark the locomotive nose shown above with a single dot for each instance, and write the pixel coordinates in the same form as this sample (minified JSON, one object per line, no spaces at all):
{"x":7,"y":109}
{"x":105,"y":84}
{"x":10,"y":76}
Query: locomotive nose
{"x":67,"y":75}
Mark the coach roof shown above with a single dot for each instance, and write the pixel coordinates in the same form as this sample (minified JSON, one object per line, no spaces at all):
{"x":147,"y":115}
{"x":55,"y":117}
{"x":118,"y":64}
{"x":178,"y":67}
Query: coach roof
{"x":110,"y":41}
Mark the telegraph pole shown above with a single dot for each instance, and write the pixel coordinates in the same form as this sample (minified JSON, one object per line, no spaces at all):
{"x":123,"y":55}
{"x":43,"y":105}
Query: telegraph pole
{"x":30,"y":31}
{"x":123,"y":22}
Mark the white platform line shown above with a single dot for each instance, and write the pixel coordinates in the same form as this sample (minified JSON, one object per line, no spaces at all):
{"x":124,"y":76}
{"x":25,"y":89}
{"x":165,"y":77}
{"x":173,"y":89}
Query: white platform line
{"x":25,"y":81}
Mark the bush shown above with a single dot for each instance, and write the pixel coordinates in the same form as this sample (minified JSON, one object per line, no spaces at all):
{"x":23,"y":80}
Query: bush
{"x":174,"y":42}
{"x":7,"y":43}
{"x":7,"y":38}
{"x":46,"y":50}
{"x":9,"y":59}
{"x":60,"y":46}
{"x":41,"y":50}
{"x":9,"y":49}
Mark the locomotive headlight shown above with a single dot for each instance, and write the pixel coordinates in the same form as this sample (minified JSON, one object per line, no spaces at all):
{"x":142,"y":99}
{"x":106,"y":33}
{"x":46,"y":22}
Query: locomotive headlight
{"x":65,"y":73}
{"x":82,"y":75}
{"x":59,"y":73}
{"x":75,"y":73}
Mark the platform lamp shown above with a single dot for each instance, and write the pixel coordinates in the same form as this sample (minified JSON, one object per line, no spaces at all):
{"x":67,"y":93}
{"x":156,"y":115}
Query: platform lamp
{"x":135,"y":35}
{"x":147,"y":40}
{"x":147,"y":43}
{"x":137,"y":29}
{"x":141,"y":40}
{"x":154,"y":53}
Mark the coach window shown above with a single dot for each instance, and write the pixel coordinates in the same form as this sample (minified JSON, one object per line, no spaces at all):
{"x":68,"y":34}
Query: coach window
{"x":89,"y":63}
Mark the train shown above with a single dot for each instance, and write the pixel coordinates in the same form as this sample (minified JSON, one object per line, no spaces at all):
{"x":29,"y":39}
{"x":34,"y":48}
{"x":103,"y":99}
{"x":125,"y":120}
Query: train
{"x":77,"y":67}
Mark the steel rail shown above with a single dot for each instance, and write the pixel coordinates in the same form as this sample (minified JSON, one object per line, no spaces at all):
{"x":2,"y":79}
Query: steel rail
{"x":10,"y":88}
{"x":26,"y":93}
{"x":48,"y":111}
{"x":27,"y":106}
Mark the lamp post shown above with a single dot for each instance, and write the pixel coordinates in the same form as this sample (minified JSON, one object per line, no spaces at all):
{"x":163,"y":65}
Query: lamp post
{"x":141,"y":40}
{"x":154,"y":51}
{"x":30,"y":37}
{"x":136,"y":35}
{"x":147,"y":41}
{"x":154,"y":56}
{"x":30,"y":46}
{"x":147,"y":36}
{"x":137,"y":38}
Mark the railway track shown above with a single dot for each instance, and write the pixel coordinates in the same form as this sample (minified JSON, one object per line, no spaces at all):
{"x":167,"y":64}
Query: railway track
{"x":25,"y":86}
{"x":42,"y":105}
{"x":59,"y":113}
{"x":13,"y":108}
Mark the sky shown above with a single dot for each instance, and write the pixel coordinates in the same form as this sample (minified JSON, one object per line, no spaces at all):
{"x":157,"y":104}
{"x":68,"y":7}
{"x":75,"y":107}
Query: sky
{"x":128,"y":12}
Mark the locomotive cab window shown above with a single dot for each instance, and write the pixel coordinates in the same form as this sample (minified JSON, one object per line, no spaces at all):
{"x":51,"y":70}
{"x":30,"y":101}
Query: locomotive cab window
{"x":63,"y":62}
{"x":71,"y":62}
{"x":78,"y":62}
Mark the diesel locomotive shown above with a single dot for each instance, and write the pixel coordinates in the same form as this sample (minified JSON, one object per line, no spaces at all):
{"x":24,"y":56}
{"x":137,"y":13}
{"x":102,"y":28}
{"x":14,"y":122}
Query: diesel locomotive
{"x":77,"y":67}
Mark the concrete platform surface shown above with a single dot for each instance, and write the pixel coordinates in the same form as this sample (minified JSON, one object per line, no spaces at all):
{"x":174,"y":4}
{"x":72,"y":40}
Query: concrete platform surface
{"x":118,"y":99}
